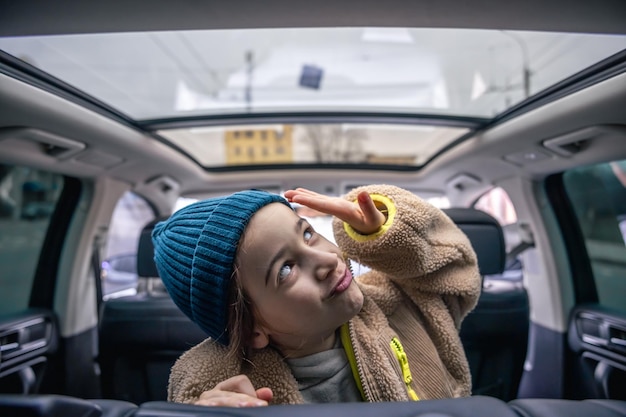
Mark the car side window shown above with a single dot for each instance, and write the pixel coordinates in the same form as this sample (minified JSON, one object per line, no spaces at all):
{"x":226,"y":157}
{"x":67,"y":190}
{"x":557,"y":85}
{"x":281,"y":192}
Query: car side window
{"x":497,"y":203}
{"x":119,"y":267}
{"x":28,"y":198}
{"x":598,"y":196}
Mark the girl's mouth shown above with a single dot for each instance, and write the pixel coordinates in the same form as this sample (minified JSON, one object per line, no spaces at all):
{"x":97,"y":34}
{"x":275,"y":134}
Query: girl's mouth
{"x":343,"y":283}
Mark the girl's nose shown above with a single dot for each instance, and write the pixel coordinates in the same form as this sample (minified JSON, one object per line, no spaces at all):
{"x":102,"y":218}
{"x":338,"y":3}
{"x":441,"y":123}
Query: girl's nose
{"x":323,"y":263}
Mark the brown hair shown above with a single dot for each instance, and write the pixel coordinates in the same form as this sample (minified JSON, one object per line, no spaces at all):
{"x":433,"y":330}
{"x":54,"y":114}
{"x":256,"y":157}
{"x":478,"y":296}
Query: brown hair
{"x":240,"y":325}
{"x":242,"y":313}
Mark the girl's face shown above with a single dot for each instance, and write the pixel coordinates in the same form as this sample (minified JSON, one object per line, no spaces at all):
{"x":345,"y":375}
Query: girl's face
{"x":298,"y":281}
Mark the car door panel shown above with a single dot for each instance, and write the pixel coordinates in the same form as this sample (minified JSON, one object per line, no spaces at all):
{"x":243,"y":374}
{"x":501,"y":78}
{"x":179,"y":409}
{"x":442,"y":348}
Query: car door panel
{"x":597,"y":338}
{"x":27,"y":340}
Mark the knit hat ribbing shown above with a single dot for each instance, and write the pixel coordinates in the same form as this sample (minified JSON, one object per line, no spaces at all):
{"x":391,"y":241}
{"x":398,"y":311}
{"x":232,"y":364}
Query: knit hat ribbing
{"x":194,"y":251}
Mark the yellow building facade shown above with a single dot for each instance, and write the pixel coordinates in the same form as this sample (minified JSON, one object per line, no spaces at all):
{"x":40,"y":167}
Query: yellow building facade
{"x":259,"y":145}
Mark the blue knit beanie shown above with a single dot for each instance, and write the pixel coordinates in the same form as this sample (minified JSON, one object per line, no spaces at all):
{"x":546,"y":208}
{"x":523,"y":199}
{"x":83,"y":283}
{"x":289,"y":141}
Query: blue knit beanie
{"x":194,"y":251}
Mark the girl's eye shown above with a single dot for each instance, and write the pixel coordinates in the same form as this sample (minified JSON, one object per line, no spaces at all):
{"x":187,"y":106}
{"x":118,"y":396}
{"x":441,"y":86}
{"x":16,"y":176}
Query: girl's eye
{"x":308,"y":235}
{"x":284,"y":272}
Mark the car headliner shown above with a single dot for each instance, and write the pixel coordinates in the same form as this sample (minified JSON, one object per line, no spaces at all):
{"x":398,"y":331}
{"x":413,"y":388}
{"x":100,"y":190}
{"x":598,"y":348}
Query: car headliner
{"x":40,"y":17}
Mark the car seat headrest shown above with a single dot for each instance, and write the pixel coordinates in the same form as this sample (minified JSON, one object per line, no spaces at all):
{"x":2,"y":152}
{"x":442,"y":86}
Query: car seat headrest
{"x":485,"y":235}
{"x":145,"y":252}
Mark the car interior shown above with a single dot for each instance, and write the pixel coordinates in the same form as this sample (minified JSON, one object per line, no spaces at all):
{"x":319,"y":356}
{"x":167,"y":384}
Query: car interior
{"x":510,"y":117}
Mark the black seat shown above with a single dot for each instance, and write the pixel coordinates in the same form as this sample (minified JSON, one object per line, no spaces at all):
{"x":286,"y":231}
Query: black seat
{"x":62,"y":406}
{"x":535,"y":407}
{"x":141,"y":336}
{"x":495,"y":334}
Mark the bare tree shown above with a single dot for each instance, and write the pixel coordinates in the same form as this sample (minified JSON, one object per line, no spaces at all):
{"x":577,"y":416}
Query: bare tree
{"x":332,"y":143}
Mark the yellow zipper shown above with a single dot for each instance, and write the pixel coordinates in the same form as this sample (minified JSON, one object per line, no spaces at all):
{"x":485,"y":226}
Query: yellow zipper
{"x":397,"y":349}
{"x":345,"y":333}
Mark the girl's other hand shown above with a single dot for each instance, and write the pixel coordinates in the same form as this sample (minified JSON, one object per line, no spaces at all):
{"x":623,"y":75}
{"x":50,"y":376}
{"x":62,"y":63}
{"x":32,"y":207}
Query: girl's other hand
{"x":237,"y":391}
{"x":364,"y":217}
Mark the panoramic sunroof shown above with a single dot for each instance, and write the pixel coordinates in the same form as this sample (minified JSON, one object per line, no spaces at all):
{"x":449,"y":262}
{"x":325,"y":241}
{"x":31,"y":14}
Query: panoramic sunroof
{"x":451,"y":72}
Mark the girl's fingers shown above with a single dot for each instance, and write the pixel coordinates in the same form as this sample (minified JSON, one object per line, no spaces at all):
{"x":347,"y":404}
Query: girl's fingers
{"x":329,"y":205}
{"x":265,"y":394}
{"x":239,"y":384}
{"x":230,"y":399}
{"x":306,"y":191}
{"x":363,"y":217}
{"x":372,"y":217}
{"x":237,"y":391}
{"x":300,"y":191}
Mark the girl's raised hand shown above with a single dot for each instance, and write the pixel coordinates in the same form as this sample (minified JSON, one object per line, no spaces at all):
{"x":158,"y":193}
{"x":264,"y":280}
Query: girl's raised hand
{"x":364,"y":217}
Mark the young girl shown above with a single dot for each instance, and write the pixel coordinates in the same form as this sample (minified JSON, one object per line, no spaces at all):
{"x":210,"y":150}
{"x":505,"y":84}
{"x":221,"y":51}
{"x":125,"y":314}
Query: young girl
{"x":287,"y":321}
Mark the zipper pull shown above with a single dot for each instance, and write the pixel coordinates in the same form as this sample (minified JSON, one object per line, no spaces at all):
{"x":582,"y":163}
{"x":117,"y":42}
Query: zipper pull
{"x":398,"y":350}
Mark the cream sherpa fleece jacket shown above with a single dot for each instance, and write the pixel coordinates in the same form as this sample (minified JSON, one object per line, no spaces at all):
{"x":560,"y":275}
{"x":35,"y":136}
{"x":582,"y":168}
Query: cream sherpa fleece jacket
{"x":424,"y":281}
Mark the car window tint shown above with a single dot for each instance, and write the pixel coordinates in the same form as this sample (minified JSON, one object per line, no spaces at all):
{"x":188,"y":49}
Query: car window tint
{"x":27,"y":200}
{"x":598,"y":195}
{"x":119,"y":268}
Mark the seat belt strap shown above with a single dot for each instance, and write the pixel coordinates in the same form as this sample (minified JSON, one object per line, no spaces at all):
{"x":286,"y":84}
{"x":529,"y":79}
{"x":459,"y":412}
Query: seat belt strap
{"x":96,"y":267}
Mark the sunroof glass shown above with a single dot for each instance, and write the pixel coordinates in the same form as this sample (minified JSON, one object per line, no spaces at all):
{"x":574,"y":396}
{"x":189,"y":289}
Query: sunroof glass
{"x":452,"y":72}
{"x":356,"y":145}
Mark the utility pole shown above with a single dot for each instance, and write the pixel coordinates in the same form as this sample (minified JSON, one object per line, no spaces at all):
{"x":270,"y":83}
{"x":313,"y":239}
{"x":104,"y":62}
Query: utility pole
{"x":525,"y":62}
{"x":249,"y":70}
